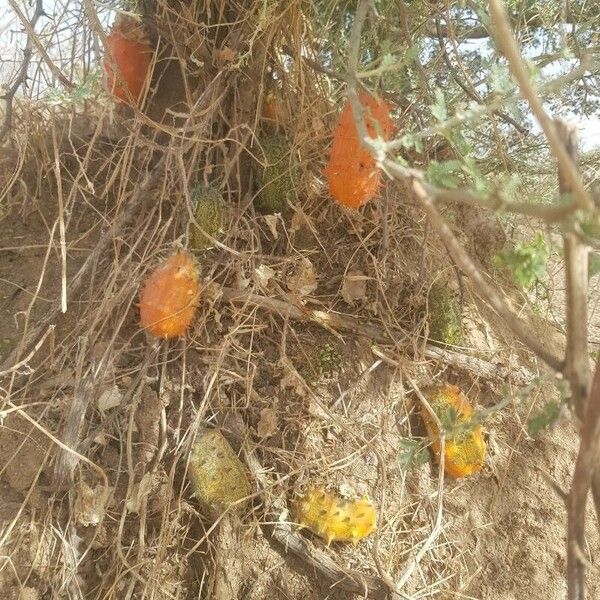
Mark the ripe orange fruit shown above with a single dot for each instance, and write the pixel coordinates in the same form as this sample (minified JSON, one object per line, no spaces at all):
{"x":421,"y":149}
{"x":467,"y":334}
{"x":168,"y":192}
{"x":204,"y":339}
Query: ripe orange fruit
{"x":130,"y":50}
{"x":169,"y":297}
{"x":352,"y":173}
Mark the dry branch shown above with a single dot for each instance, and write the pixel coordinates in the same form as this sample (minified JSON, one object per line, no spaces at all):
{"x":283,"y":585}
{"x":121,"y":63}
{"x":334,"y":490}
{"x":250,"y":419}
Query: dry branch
{"x":470,"y":91}
{"x":507,"y":42}
{"x":586,"y":465}
{"x":21,"y":76}
{"x":141,"y":197}
{"x":330,"y":321}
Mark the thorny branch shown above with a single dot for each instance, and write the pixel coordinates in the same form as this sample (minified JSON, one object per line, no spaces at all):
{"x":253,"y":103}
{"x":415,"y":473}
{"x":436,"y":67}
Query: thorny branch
{"x":468,"y":90}
{"x":29,"y":30}
{"x":575,"y":366}
{"x":345,"y":324}
{"x":509,"y":46}
{"x":585,"y":467}
{"x":21,"y":76}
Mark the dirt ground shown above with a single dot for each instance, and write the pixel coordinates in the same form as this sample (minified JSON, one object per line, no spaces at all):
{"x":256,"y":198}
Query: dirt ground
{"x":307,"y":405}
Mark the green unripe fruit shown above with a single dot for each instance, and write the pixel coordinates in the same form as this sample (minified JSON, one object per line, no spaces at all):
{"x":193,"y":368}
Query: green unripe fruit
{"x":210,"y":214}
{"x":277,"y":174}
{"x":445,"y":318}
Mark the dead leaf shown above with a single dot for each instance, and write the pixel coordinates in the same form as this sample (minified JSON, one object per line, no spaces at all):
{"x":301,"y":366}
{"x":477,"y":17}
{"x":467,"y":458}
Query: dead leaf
{"x":242,"y":282}
{"x":304,"y":280}
{"x":318,"y":127}
{"x":140,"y":493}
{"x":90,"y":504}
{"x":267,"y":425}
{"x":291,"y":378}
{"x":298,"y":221}
{"x":271,"y":221}
{"x":109,"y":399}
{"x":226,"y":54}
{"x":354,"y":287}
{"x":262,"y":275}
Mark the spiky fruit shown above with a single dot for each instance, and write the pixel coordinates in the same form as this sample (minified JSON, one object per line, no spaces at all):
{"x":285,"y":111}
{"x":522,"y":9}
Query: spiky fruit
{"x":218,"y":476}
{"x":128,"y":49}
{"x":334,"y":519}
{"x":465,"y":447}
{"x":352,"y":173}
{"x":277,"y":174}
{"x":445,"y":318}
{"x":210,"y":215}
{"x":169,"y":297}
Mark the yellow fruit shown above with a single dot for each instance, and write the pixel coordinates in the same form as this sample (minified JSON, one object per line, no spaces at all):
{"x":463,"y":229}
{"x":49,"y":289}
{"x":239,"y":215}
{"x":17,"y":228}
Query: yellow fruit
{"x":334,"y":519}
{"x":465,"y":447}
{"x":218,"y":476}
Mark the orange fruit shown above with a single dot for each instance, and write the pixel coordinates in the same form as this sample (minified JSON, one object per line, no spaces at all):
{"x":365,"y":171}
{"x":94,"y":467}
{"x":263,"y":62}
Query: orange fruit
{"x":169,"y":297}
{"x":351,"y":172}
{"x":130,"y":50}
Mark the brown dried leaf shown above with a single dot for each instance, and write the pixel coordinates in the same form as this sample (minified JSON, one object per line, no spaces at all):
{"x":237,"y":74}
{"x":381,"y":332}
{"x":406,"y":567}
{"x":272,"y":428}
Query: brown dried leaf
{"x":90,"y":504}
{"x":354,"y":287}
{"x":267,"y":425}
{"x":271,"y":221}
{"x":262,"y":275}
{"x":304,"y":280}
{"x":110,"y":398}
{"x":226,"y":54}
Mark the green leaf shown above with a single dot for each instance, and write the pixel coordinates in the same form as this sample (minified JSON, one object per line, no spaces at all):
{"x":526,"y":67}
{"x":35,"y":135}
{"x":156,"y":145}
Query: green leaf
{"x":388,"y":60}
{"x":527,"y":261}
{"x":460,"y":142}
{"x":443,"y":174}
{"x":479,"y":181}
{"x":593,"y":264}
{"x":438,"y":109}
{"x":544,"y":418}
{"x":410,"y":140}
{"x":411,"y":53}
{"x":500,"y":80}
{"x":412,"y":453}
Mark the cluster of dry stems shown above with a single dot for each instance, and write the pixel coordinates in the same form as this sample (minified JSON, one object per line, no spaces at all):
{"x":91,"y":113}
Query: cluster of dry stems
{"x":572,"y":363}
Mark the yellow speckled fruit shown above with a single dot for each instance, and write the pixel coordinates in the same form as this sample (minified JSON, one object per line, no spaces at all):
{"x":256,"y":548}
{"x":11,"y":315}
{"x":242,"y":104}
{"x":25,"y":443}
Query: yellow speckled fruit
{"x":218,"y":476}
{"x":464,"y":447}
{"x":334,"y":519}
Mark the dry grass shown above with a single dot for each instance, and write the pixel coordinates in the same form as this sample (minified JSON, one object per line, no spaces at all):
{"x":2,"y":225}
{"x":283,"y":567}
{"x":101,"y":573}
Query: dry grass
{"x":96,"y":502}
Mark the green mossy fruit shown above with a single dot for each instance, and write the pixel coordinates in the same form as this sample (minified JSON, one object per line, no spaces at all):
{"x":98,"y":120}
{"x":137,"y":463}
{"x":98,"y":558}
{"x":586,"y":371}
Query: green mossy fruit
{"x":210,"y":215}
{"x":445,"y":317}
{"x":277,"y":175}
{"x":218,"y":476}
